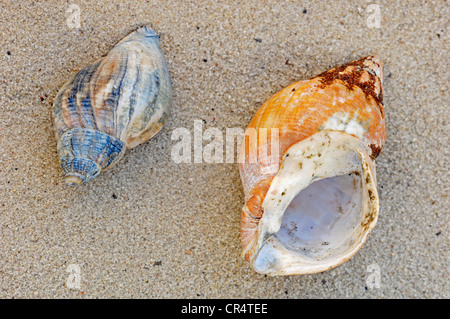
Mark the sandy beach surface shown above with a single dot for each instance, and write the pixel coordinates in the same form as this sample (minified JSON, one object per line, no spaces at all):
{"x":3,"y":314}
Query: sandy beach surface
{"x":152,"y":228}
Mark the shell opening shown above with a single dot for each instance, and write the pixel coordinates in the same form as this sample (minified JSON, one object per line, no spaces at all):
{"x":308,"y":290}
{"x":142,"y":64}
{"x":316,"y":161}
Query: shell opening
{"x":320,"y":207}
{"x":320,"y":220}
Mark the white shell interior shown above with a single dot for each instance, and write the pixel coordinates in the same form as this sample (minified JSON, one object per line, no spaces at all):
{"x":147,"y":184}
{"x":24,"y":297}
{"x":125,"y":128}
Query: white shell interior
{"x":320,"y":207}
{"x":321,"y":218}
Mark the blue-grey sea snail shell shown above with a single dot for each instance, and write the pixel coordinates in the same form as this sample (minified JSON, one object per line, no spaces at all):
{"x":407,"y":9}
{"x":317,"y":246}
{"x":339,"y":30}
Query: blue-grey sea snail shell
{"x":113,"y":104}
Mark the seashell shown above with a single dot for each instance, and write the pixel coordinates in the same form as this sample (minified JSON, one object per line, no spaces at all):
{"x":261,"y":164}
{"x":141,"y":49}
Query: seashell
{"x":313,"y":207}
{"x":113,"y":104}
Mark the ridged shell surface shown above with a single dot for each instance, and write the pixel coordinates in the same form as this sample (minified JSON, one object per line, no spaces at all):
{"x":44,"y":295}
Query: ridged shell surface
{"x":345,"y":101}
{"x":113,"y":104}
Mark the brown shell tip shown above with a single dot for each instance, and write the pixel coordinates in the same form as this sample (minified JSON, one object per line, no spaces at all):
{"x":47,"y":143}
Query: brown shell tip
{"x":365,"y":73}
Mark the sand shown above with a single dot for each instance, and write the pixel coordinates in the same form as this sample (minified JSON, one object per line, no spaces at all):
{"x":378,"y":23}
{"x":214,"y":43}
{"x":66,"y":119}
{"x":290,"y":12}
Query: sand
{"x":151,"y":228}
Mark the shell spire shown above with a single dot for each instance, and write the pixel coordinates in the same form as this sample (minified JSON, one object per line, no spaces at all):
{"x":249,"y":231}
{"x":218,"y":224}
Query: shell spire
{"x":312,"y":206}
{"x":111,"y":105}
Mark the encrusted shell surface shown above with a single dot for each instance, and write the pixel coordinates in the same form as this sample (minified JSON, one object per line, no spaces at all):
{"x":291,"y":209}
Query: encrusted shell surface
{"x":113,"y":104}
{"x":330,"y":129}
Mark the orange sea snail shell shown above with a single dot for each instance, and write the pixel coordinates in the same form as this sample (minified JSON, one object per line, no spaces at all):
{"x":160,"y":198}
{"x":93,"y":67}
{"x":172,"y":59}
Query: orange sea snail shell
{"x":314,"y":208}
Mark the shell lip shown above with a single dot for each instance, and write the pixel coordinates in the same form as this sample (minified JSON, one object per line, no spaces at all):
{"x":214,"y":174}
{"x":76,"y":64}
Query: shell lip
{"x":271,"y":256}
